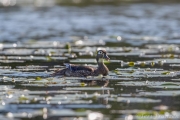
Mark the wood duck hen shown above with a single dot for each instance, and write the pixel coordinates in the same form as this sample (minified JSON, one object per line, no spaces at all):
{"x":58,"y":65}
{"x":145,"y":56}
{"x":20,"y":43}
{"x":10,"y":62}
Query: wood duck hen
{"x":83,"y":71}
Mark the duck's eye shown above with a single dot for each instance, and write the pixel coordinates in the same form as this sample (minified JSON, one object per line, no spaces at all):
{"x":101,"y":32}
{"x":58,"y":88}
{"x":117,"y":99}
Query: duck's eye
{"x":100,"y":52}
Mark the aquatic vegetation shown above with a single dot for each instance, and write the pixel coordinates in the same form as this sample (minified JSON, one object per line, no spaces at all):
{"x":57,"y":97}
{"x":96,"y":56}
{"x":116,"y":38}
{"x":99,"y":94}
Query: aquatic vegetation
{"x":134,"y":100}
{"x":145,"y":79}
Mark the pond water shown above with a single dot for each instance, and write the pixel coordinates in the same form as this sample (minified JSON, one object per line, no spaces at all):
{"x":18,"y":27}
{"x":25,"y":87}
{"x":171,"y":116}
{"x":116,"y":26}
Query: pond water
{"x":142,"y":41}
{"x":59,"y":23}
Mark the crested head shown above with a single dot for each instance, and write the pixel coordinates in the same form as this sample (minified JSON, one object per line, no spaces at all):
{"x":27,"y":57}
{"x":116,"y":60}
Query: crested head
{"x":101,"y":54}
{"x":101,"y":51}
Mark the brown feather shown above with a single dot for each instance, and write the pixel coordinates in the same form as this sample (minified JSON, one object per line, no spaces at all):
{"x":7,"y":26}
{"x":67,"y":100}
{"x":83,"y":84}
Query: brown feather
{"x":83,"y":71}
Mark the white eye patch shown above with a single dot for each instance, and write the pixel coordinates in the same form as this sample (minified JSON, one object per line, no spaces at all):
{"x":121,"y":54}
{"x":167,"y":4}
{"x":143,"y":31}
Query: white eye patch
{"x":100,"y":52}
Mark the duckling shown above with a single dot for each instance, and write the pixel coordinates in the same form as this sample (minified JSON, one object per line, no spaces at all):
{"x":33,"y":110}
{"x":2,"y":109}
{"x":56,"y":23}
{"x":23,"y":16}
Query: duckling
{"x":84,"y":71}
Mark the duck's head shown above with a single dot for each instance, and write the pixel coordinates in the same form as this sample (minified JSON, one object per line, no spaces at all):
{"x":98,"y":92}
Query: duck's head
{"x":101,"y":54}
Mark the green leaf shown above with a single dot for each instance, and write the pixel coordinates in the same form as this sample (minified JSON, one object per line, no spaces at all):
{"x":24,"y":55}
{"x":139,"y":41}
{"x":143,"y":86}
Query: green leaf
{"x":38,"y":78}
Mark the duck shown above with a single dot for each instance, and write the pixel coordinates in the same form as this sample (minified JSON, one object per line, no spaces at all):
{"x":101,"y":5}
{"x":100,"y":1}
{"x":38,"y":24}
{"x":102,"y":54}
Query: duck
{"x":72,"y":70}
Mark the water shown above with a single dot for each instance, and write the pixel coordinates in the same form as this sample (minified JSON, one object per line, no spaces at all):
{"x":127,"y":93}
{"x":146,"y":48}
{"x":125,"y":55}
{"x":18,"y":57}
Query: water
{"x":58,"y":23}
{"x":142,"y":41}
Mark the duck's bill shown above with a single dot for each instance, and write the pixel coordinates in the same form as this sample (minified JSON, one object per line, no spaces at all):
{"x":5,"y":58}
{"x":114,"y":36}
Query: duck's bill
{"x":106,"y":57}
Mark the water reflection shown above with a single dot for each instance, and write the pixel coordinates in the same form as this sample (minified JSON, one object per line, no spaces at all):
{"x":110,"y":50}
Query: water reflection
{"x":102,"y":83}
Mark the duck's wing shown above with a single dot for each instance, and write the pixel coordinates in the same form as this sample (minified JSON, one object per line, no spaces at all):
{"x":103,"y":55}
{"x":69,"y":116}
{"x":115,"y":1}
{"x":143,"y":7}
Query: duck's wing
{"x":75,"y":68}
{"x":59,"y":72}
{"x":79,"y":71}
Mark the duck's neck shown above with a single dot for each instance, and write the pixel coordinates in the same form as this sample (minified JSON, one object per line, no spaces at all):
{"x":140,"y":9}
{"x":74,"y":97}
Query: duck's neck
{"x":100,"y":62}
{"x":102,"y":69}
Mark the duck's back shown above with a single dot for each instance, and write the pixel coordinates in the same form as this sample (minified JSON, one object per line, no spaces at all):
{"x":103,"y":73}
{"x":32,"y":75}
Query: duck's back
{"x":75,"y":71}
{"x":79,"y":68}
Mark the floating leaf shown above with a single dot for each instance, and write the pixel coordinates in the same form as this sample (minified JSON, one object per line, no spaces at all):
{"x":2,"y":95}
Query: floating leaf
{"x":131,"y":64}
{"x":49,"y":58}
{"x":83,"y":84}
{"x":38,"y":78}
{"x":22,"y":98}
{"x":152,"y":64}
{"x":165,"y":73}
{"x":169,"y":84}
